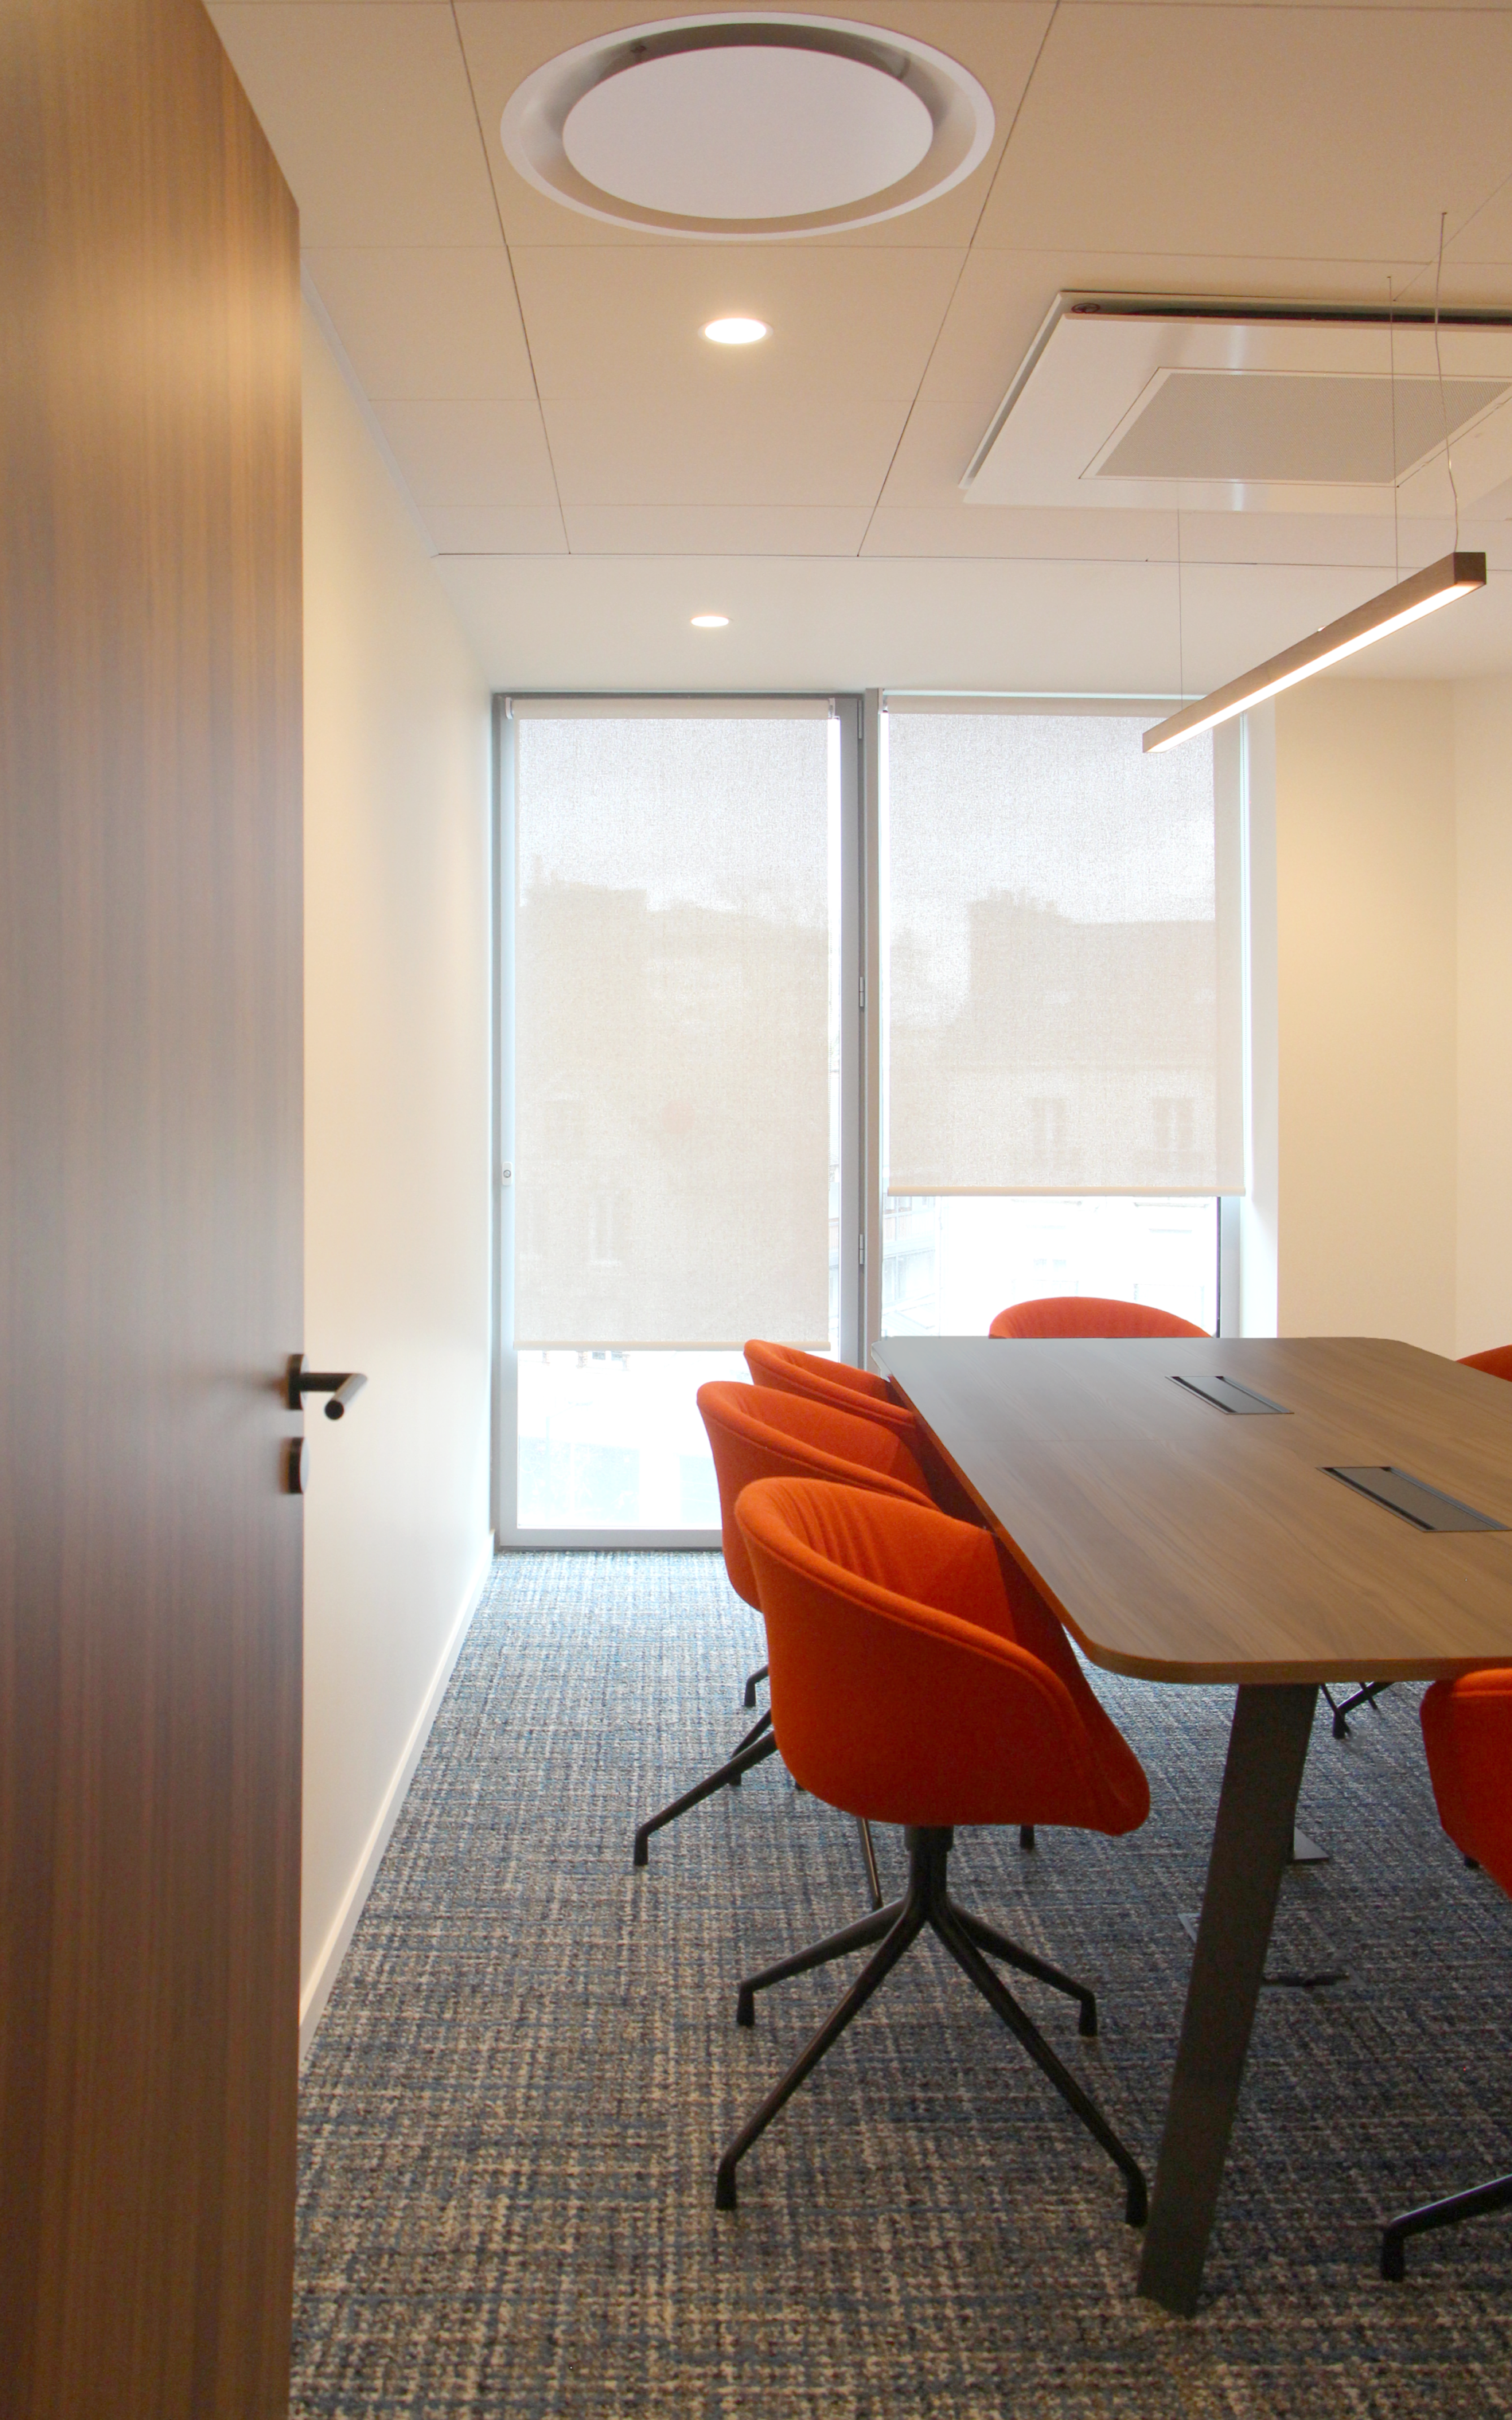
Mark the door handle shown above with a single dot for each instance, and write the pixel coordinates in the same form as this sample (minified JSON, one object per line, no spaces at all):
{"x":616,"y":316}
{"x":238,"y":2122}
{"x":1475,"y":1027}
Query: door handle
{"x":342,"y":1386}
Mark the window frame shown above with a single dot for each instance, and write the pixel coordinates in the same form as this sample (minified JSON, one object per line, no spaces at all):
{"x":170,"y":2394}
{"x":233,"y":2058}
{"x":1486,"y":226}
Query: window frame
{"x":862,"y":1206}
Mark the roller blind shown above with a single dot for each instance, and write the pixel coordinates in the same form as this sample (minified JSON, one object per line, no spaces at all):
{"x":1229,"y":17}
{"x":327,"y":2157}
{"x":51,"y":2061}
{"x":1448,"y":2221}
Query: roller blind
{"x":672,"y":1023}
{"x":1063,"y":958}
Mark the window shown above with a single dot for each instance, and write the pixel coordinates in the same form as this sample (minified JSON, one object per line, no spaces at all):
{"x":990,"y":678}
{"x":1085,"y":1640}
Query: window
{"x":711,"y":1137}
{"x":1064,"y":1083}
{"x":675,"y":1153}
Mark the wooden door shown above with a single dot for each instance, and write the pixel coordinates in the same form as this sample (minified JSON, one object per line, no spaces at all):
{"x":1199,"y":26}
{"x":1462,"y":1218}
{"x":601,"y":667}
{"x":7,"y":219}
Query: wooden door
{"x":150,"y":1108}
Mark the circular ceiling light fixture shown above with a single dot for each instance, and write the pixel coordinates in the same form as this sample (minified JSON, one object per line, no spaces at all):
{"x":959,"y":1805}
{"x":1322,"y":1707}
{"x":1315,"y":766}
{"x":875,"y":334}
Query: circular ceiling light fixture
{"x":711,"y":621}
{"x":736,"y":331}
{"x":746,"y":125}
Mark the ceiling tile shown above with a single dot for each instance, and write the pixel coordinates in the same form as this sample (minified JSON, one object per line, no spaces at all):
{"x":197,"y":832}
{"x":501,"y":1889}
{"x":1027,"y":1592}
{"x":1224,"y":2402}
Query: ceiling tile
{"x":618,"y":622}
{"x":620,"y":321}
{"x":1318,"y":133}
{"x":669,"y":449}
{"x":714,"y":529}
{"x":474,"y":454}
{"x":1306,"y":541}
{"x":427,"y":324}
{"x":1486,"y":239}
{"x":997,"y":40}
{"x":622,"y":622}
{"x":370,"y":116}
{"x":496,"y":529}
{"x":932,"y":452}
{"x":1017,"y":534}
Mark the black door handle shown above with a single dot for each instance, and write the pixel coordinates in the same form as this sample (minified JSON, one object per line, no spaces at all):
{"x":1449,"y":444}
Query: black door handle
{"x":342,"y":1386}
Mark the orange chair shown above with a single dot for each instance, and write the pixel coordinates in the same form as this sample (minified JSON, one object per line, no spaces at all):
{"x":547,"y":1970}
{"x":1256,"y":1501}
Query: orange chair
{"x":850,"y":1389}
{"x":1088,"y":1314}
{"x":845,"y":1388}
{"x":918,"y":1679}
{"x":1497,"y":1363}
{"x":836,"y":1383}
{"x":757,"y":1433}
{"x":1467,"y":1730}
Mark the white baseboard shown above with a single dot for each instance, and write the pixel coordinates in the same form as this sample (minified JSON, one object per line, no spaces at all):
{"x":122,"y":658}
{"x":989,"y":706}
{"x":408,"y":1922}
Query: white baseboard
{"x":316,"y":1991}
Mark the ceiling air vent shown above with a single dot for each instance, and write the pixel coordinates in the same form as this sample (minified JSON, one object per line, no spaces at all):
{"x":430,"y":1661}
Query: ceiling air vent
{"x":1220,"y":407}
{"x":745,"y":127}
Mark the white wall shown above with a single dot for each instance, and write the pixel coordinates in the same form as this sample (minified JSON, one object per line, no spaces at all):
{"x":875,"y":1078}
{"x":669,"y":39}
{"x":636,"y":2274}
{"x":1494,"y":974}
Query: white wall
{"x":1483,"y":792}
{"x":396,"y":1153}
{"x":1367,"y":910}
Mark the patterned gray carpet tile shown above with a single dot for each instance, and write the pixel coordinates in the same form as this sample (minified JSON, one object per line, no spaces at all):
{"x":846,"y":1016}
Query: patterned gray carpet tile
{"x":513,"y":2108}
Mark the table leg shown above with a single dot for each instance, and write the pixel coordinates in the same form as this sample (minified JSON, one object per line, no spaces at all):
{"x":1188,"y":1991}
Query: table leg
{"x":1251,"y":1845}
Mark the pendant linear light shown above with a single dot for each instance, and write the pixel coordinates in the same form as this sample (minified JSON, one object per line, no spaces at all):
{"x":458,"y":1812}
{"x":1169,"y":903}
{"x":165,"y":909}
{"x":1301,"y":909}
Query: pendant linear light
{"x":1457,"y":575}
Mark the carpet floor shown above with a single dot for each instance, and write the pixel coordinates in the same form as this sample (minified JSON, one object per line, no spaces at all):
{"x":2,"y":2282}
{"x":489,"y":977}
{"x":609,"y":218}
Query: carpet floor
{"x":511,"y":2110}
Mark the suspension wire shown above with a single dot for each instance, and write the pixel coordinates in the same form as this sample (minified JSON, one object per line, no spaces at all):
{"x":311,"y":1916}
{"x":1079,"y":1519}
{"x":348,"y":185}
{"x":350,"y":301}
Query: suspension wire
{"x":1443,"y":408}
{"x":1396,"y":514}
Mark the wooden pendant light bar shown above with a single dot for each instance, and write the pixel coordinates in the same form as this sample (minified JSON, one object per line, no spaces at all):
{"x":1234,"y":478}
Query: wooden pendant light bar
{"x":1455,"y":575}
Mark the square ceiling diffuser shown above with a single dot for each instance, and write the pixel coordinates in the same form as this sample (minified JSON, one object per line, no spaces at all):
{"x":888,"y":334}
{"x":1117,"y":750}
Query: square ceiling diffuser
{"x":1145,"y":403}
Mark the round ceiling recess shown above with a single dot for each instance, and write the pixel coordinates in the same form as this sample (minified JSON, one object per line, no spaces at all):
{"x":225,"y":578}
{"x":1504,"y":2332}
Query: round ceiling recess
{"x":748,"y":126}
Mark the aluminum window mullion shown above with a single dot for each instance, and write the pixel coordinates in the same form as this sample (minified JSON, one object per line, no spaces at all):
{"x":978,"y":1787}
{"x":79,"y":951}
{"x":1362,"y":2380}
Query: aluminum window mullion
{"x":853,"y":1031}
{"x":870,"y":1169}
{"x":501,"y":1172}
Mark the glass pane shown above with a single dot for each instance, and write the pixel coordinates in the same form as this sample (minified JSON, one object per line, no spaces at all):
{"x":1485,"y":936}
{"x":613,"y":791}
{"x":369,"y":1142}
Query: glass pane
{"x":672,"y":1116}
{"x":952,"y":1263}
{"x":609,"y":1437}
{"x":614,"y":1441}
{"x":1062,"y":958}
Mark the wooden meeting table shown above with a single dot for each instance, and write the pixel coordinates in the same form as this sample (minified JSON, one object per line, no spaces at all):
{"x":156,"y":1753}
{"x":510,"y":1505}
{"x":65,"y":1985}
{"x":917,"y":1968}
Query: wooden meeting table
{"x":1185,"y":1542}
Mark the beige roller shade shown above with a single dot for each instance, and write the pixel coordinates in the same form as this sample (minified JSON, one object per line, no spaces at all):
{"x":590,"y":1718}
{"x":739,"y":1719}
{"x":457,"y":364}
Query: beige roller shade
{"x":672,"y":1025}
{"x":1063,"y":958}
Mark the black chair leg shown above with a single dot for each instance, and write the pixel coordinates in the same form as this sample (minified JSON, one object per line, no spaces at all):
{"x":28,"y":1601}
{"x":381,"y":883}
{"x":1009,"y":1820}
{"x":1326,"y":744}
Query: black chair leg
{"x":1362,"y":1697}
{"x":906,"y":1925}
{"x":760,"y":1674}
{"x":998,"y":1998}
{"x":997,"y":1945}
{"x":1026,"y":1835}
{"x":757,"y":1746}
{"x":763,"y":1723}
{"x":1473,"y":2203}
{"x":860,"y":1936}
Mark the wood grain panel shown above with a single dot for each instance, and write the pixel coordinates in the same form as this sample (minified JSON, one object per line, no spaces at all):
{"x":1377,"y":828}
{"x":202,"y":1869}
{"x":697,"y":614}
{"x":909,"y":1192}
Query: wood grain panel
{"x":1183,"y":1543}
{"x":149,"y":1222}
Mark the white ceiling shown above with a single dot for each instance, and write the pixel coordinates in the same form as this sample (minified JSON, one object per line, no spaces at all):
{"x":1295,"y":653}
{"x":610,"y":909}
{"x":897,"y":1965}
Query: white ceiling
{"x":591,"y":471}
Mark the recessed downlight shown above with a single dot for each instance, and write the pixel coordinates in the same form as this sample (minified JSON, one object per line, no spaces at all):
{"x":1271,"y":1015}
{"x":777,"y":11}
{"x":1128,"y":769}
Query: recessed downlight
{"x":736,"y":331}
{"x":711,"y":621}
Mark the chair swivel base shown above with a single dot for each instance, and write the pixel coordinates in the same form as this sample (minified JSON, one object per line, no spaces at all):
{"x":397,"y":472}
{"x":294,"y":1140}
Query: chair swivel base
{"x":1473,"y":2203}
{"x":758,"y":1744}
{"x":1362,"y":1697}
{"x":927,"y":1901}
{"x":760,"y":1674}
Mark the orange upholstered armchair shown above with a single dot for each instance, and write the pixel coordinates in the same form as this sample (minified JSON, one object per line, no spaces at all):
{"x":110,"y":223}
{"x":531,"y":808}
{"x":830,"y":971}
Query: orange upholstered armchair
{"x":1088,"y":1314}
{"x":1467,"y":1730}
{"x":836,"y":1383}
{"x":1497,"y":1363}
{"x":918,"y":1679}
{"x":759,"y":1432}
{"x":846,"y":1388}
